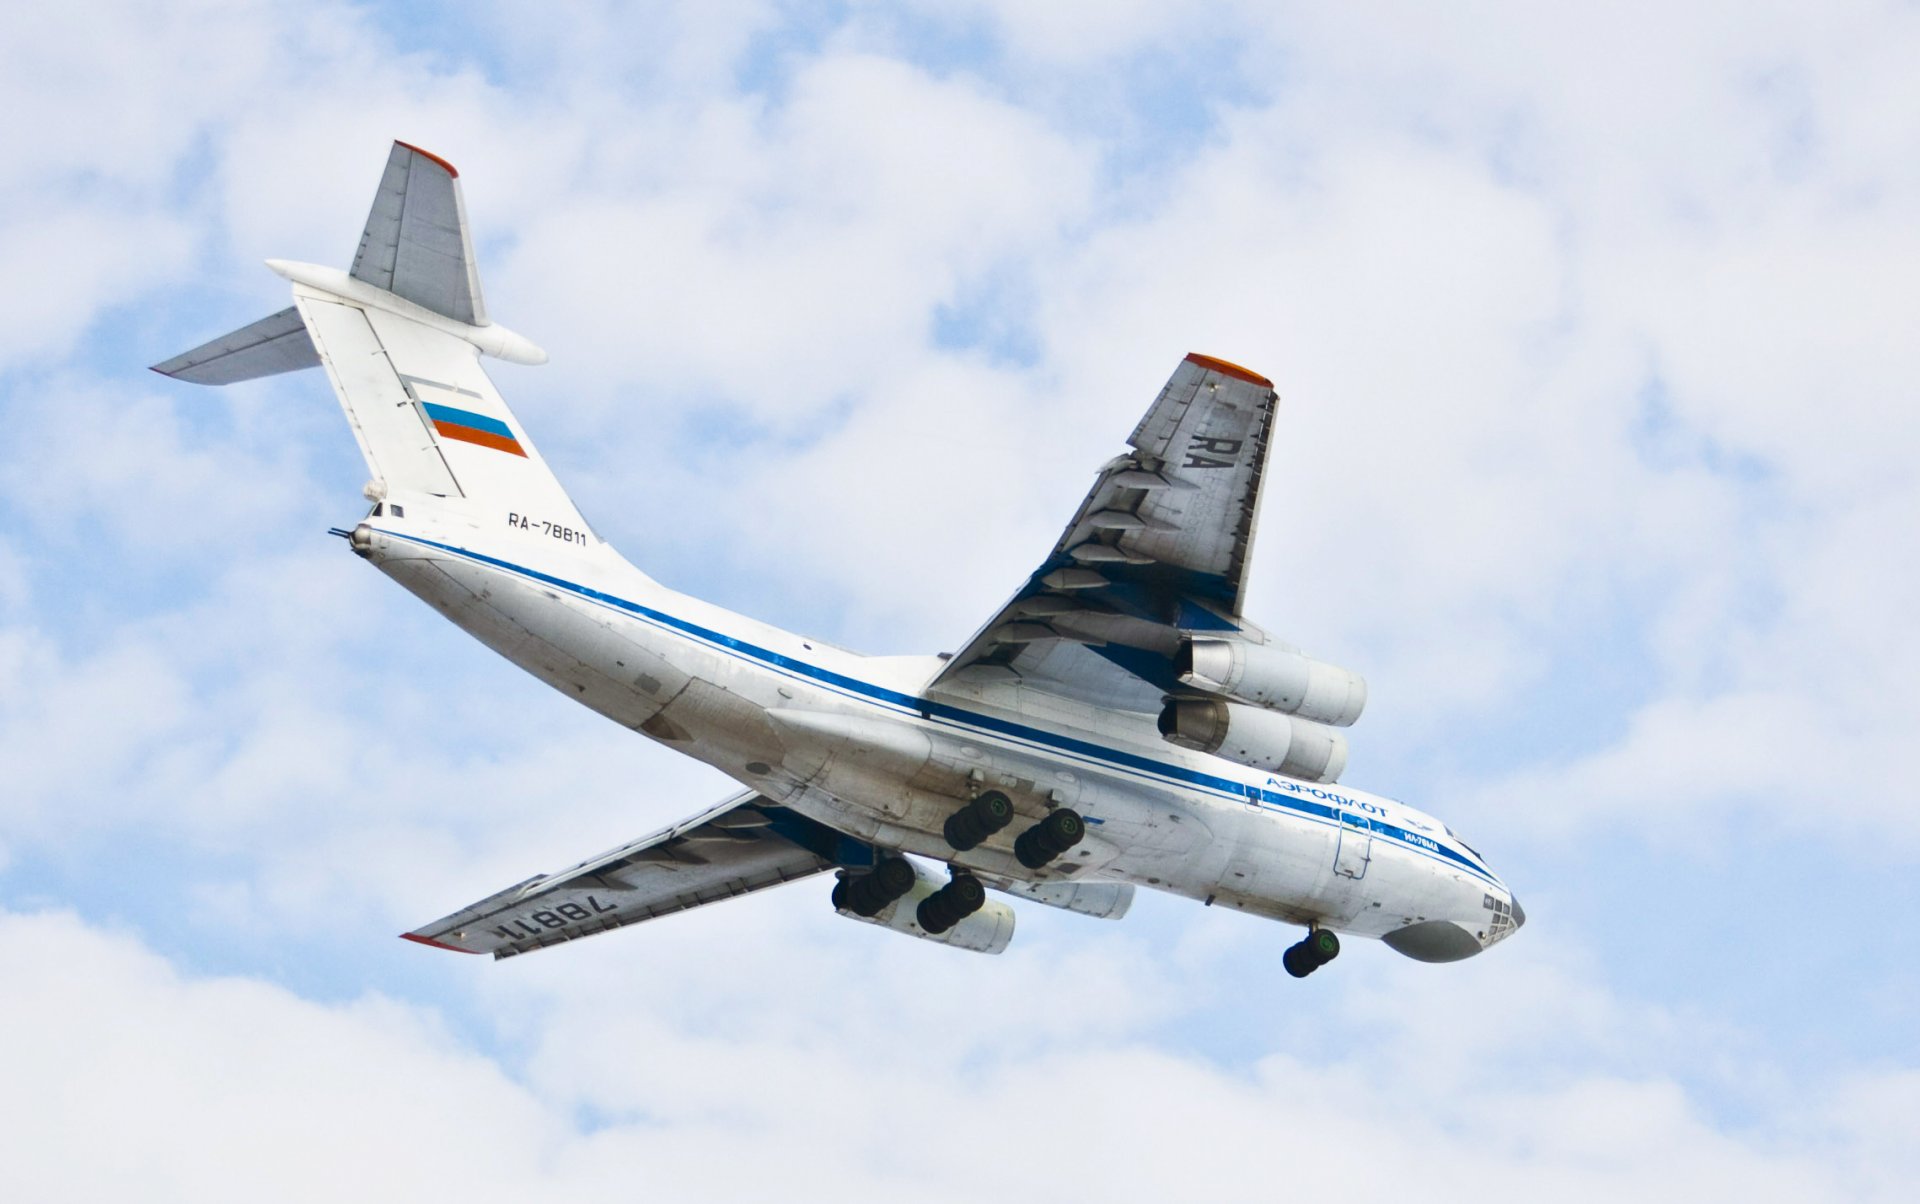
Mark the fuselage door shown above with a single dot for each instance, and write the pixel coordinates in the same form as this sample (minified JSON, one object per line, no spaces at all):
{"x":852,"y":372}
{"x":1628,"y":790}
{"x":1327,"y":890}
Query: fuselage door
{"x":1355,"y":846}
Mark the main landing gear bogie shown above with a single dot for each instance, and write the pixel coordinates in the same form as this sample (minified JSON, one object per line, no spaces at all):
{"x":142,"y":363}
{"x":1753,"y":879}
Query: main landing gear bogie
{"x":1320,"y":947}
{"x":972,"y":824}
{"x":868,"y":895}
{"x":991,"y":811}
{"x":1059,"y":831}
{"x":959,"y":898}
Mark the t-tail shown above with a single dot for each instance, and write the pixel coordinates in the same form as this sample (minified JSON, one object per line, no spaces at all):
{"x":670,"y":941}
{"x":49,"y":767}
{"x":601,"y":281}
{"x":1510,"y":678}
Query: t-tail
{"x":400,"y":335}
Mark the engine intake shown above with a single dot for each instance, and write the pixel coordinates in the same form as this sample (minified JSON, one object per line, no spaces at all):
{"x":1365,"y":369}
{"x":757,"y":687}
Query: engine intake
{"x":1276,"y":678}
{"x":1252,"y":736}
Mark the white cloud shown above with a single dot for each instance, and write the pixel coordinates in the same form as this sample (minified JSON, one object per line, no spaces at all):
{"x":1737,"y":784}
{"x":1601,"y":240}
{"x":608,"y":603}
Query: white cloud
{"x":64,"y":267}
{"x":1472,"y":248}
{"x":179,"y":1086}
{"x":776,"y":260}
{"x":1464,"y":312}
{"x":16,"y":585}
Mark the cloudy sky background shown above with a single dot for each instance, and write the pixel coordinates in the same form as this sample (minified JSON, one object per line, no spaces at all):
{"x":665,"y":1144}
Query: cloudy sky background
{"x":1594,"y":338}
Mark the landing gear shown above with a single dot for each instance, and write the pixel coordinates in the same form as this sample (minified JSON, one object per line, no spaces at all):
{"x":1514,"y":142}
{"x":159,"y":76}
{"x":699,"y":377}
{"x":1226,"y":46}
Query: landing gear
{"x":1320,"y":947}
{"x":869,"y":894}
{"x":979,"y":819}
{"x":951,"y":904}
{"x":1052,"y":836}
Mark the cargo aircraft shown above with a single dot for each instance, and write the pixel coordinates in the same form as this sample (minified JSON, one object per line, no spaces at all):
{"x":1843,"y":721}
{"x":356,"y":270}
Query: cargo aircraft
{"x":1118,"y":723}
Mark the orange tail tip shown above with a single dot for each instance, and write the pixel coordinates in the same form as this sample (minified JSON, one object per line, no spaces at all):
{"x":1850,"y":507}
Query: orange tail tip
{"x":1228,"y":369}
{"x":430,"y":156}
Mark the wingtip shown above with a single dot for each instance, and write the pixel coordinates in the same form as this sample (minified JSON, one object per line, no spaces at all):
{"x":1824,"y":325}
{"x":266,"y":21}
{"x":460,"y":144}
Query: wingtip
{"x":1226,"y":368}
{"x":427,"y":154}
{"x":429,"y":941}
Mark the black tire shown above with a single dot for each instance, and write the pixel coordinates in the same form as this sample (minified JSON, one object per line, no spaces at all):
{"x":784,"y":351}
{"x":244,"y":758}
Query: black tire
{"x":1061,"y":830}
{"x":863,"y":899}
{"x":1029,"y":852}
{"x":933,"y":917}
{"x":965,"y":894}
{"x":891,"y":878}
{"x":1298,"y":961}
{"x":1323,"y":945}
{"x":840,"y":895}
{"x":963,"y":830}
{"x":993,"y":810}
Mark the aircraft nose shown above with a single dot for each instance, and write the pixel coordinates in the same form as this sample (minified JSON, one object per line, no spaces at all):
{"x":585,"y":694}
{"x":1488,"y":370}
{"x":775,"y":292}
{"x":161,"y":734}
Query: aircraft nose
{"x":1519,"y":913}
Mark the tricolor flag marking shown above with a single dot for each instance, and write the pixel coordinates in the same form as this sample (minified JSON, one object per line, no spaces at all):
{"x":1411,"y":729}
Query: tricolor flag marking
{"x":469,"y":427}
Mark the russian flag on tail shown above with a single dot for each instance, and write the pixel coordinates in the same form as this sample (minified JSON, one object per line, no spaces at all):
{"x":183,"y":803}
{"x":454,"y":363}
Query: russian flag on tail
{"x":469,"y":427}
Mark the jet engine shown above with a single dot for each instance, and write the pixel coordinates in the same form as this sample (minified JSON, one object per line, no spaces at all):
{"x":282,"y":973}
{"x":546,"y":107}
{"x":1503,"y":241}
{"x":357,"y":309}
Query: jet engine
{"x":1273,"y":676}
{"x":987,"y":928}
{"x":1252,"y":736}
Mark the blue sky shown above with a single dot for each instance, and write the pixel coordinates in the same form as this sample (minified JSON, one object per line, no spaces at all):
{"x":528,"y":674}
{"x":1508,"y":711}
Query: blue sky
{"x":1595,"y":456}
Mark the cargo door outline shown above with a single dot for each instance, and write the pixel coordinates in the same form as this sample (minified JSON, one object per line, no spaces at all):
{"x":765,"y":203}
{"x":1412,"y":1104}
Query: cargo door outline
{"x":1353,"y":849}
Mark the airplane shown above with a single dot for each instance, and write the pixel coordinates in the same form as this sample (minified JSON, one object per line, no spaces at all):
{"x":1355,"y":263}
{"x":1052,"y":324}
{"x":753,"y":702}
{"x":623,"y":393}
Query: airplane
{"x":1116,"y":724}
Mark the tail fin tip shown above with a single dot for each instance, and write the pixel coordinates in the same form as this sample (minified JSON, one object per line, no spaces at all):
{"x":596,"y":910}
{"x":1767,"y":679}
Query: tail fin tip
{"x":424,"y":153}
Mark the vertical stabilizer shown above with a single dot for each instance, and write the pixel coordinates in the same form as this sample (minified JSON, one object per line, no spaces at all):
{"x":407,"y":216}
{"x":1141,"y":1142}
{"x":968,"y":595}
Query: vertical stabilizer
{"x":416,"y":244}
{"x":400,"y":337}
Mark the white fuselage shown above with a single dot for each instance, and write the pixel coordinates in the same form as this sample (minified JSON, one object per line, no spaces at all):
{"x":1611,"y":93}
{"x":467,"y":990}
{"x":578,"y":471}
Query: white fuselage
{"x":863,"y":745}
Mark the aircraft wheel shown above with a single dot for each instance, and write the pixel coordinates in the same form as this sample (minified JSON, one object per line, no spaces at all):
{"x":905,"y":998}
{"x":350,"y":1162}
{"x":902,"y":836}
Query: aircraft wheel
{"x":1322,"y":945}
{"x":967,"y":894}
{"x":993,"y":809}
{"x":890,"y":878}
{"x":1029,"y":852}
{"x":1298,"y":961}
{"x":933,"y":917}
{"x":968,"y":827}
{"x":951,"y":904}
{"x":963,"y":830}
{"x":1061,"y":830}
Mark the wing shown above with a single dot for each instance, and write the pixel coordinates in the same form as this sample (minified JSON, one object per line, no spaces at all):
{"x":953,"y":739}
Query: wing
{"x":416,"y":244}
{"x":744,"y":844}
{"x":1160,"y":546}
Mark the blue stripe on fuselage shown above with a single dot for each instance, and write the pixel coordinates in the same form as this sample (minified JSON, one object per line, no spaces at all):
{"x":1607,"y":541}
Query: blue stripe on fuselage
{"x":935,"y":710}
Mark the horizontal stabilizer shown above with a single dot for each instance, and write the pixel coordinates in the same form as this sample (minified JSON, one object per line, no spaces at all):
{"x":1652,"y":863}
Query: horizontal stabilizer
{"x":416,"y":243}
{"x":277,"y":343}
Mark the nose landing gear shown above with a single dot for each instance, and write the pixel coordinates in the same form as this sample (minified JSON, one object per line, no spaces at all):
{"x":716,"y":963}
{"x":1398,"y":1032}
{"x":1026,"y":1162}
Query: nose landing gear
{"x":1320,"y":947}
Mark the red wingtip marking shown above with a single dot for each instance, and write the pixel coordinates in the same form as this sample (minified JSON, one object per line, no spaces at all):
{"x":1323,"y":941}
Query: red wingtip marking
{"x":427,"y":154}
{"x":1227,"y":369}
{"x":427,"y":940}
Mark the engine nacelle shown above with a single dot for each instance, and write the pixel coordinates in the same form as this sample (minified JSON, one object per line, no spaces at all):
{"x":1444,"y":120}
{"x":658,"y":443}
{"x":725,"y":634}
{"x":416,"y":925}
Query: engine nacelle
{"x":1252,"y":736}
{"x":1101,"y":900}
{"x":1277,"y":678}
{"x":985,"y":931}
